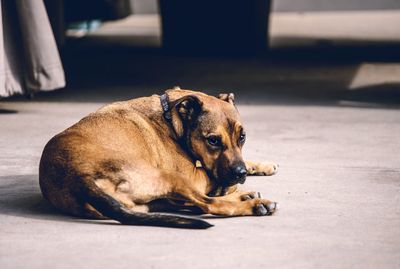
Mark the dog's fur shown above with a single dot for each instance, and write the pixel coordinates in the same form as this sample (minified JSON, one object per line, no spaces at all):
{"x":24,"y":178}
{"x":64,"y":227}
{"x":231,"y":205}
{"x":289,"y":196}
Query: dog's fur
{"x":126,"y":161}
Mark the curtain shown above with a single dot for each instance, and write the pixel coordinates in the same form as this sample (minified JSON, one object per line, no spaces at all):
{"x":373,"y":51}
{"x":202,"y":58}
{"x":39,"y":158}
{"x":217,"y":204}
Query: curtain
{"x":29,"y":59}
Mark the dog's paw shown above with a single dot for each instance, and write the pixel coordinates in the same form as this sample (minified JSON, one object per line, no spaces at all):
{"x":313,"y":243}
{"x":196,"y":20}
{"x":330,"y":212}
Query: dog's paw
{"x":262,"y":169}
{"x":264,"y":208}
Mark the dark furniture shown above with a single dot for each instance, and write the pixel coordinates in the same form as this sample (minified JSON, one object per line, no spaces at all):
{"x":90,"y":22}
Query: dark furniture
{"x":215,"y":26}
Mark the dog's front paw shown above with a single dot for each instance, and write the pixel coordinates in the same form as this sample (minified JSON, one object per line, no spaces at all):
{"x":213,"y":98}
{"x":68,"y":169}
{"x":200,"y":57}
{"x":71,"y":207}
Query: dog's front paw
{"x":264,"y":208}
{"x":262,"y":169}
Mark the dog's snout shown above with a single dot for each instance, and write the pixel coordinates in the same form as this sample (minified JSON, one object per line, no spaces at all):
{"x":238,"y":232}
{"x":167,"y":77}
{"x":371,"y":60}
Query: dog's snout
{"x":240,"y":172}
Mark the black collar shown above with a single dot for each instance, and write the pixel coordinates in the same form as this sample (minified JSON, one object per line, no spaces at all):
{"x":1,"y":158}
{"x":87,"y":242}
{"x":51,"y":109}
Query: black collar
{"x":164,"y":99}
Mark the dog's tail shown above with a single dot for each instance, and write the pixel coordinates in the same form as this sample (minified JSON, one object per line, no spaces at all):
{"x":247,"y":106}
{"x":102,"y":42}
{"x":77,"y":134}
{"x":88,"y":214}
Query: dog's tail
{"x":111,"y":208}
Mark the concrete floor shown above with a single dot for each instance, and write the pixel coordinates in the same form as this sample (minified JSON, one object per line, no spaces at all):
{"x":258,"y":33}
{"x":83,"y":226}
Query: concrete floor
{"x":331,"y":121}
{"x":338,"y":189}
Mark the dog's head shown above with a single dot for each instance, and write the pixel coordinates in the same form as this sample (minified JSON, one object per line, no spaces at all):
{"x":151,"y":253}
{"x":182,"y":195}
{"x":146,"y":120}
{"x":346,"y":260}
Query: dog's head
{"x":211,"y":130}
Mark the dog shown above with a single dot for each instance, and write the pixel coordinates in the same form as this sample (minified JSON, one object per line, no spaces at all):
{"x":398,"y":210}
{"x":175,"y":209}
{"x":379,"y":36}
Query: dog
{"x":143,"y":161}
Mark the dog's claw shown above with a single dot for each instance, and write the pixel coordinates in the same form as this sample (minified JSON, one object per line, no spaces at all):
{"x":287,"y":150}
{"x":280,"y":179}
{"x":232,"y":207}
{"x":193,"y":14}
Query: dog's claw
{"x":248,"y":196}
{"x":260,"y":210}
{"x":272,"y":207}
{"x":275,"y":168}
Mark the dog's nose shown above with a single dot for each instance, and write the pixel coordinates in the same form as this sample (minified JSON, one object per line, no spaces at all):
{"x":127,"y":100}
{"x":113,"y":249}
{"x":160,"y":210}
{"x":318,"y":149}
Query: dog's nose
{"x":240,"y":172}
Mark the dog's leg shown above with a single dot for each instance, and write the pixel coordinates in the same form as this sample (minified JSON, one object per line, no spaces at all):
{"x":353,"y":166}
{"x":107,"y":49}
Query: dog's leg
{"x":239,"y":195}
{"x":130,"y":201}
{"x":179,"y":187}
{"x":179,"y":206}
{"x":261,"y":168}
{"x":234,"y":204}
{"x":173,"y":206}
{"x":234,"y":194}
{"x":152,"y":184}
{"x":225,"y":206}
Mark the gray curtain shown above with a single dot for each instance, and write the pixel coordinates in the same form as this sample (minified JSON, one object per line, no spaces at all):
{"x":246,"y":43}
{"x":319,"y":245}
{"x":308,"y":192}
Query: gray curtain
{"x":29,"y":59}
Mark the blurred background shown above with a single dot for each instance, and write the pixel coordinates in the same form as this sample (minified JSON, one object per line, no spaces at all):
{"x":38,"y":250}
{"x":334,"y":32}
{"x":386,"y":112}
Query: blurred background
{"x":302,"y":51}
{"x":317,"y":84}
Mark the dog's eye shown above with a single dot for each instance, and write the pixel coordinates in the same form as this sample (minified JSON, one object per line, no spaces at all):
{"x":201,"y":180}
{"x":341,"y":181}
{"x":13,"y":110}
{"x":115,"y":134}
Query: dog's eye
{"x":214,"y":141}
{"x":242,"y":138}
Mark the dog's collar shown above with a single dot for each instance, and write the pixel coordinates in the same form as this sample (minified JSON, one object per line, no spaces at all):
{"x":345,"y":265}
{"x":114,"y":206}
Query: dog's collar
{"x":164,"y":99}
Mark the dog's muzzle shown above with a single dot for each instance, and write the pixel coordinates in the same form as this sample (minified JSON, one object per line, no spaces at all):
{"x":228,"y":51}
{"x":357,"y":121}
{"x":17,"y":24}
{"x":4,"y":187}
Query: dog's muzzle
{"x":237,"y":175}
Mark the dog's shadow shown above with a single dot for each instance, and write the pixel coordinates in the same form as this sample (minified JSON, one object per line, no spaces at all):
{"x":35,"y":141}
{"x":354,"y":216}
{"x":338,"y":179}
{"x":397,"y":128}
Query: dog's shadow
{"x":20,"y":197}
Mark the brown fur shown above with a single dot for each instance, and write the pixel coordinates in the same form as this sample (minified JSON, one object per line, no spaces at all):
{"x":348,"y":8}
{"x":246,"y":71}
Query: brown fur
{"x":126,"y":157}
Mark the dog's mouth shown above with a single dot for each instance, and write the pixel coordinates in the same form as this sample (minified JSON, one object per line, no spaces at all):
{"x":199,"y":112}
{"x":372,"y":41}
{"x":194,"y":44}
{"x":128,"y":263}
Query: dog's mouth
{"x":242,"y":180}
{"x":224,"y":178}
{"x":235,"y":181}
{"x":229,"y":181}
{"x":221,"y":186}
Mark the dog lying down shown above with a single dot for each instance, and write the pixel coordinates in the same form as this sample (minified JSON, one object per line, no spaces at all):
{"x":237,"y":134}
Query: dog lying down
{"x":140,"y":161}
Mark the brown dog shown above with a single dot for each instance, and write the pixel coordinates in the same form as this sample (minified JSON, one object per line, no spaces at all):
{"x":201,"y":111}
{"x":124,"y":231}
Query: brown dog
{"x":180,"y":151}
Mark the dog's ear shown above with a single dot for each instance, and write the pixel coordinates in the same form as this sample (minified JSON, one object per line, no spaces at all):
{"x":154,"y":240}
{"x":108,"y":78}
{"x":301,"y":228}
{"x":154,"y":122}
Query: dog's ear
{"x":185,"y":112}
{"x":227,"y":97}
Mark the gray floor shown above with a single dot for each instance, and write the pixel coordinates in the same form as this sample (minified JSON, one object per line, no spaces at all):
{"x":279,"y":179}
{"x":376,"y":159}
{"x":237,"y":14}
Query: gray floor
{"x":338,"y":189}
{"x":332,"y":122}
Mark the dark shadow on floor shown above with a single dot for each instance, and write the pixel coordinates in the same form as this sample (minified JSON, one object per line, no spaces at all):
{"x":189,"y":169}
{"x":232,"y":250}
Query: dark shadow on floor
{"x":296,"y":76}
{"x":7,"y":111}
{"x":20,"y":196}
